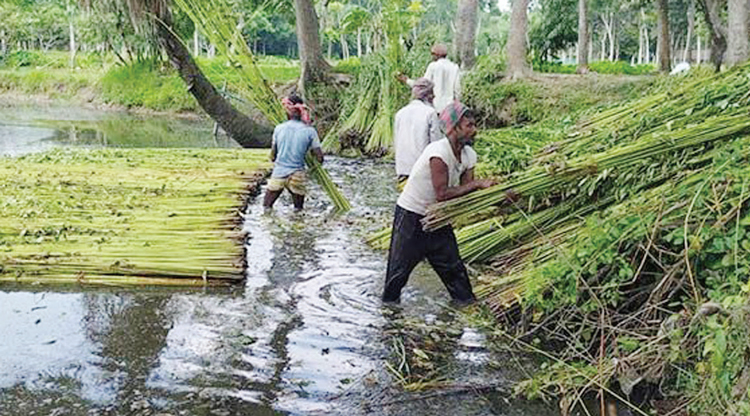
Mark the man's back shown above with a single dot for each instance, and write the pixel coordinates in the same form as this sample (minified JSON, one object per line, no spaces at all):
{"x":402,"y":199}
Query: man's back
{"x":446,"y":76}
{"x":415,"y":126}
{"x":291,"y":141}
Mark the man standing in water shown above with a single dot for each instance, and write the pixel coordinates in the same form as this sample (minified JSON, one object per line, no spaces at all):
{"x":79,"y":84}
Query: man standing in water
{"x":415,"y":126}
{"x":444,"y":74}
{"x":444,"y":171}
{"x":291,"y":142}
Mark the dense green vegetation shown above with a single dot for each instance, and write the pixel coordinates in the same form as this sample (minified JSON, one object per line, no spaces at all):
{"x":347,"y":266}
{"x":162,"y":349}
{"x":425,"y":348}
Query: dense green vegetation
{"x":630,"y":236}
{"x":147,"y":84}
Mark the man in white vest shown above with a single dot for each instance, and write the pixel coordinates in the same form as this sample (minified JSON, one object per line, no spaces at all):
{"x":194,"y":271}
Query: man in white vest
{"x":444,"y":74}
{"x":445,"y":170}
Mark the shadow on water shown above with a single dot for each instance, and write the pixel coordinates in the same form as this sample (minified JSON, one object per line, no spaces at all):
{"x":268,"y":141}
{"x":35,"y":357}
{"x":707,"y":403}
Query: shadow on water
{"x":305,"y":334}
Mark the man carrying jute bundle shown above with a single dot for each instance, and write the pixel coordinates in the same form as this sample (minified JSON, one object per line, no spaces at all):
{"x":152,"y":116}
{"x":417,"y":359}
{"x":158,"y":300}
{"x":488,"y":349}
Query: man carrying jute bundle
{"x":444,"y":74}
{"x":444,"y":171}
{"x":415,"y":126}
{"x":291,"y":142}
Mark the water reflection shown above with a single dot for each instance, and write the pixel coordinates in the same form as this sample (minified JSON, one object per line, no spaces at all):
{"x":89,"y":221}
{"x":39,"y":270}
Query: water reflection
{"x":37,"y":130}
{"x":303,"y":335}
{"x":20,"y":140}
{"x":131,"y":330}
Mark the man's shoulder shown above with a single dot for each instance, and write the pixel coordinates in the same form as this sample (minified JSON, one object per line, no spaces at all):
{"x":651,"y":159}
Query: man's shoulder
{"x":415,"y":107}
{"x":298,"y":125}
{"x":445,"y":63}
{"x":284,"y":125}
{"x":471,"y":155}
{"x":437,"y":146}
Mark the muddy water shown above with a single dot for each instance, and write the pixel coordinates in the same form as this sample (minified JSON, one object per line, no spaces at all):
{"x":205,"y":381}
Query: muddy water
{"x":305,"y":334}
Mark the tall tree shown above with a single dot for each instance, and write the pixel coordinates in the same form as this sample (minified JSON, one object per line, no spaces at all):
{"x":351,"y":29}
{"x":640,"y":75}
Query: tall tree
{"x":583,"y":37}
{"x":737,"y":42}
{"x":690,"y":31}
{"x":518,"y":67}
{"x":662,"y":7}
{"x":313,"y":66}
{"x":718,"y":31}
{"x":466,"y":29}
{"x":237,"y":125}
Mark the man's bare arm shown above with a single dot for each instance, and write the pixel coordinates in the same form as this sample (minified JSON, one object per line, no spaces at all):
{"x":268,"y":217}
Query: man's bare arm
{"x":318,"y":153}
{"x":467,"y":177}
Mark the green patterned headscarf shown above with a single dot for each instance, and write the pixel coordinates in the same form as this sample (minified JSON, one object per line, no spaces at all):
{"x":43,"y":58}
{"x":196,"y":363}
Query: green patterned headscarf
{"x":452,"y":115}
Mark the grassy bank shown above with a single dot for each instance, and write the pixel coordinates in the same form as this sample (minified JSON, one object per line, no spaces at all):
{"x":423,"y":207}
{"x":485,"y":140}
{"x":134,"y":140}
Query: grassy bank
{"x":122,"y":216}
{"x":149,"y":85}
{"x":501,"y":102}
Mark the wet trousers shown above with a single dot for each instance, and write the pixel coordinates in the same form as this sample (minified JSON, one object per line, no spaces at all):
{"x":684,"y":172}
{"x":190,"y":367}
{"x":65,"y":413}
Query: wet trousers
{"x":410,"y":244}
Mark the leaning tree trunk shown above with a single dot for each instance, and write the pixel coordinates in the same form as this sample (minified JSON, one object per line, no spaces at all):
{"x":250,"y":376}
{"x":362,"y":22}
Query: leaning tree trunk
{"x":712,"y":14}
{"x":737,"y":42}
{"x":314,"y":66}
{"x":662,"y":7}
{"x":517,"y":65}
{"x":466,"y":28}
{"x":237,"y":125}
{"x":583,"y":37}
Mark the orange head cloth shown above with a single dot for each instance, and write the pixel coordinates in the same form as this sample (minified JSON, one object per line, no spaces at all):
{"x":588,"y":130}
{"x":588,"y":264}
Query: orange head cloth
{"x":296,"y":109}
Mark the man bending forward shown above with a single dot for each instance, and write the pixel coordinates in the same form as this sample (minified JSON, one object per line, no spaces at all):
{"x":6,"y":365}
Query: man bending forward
{"x":444,"y":171}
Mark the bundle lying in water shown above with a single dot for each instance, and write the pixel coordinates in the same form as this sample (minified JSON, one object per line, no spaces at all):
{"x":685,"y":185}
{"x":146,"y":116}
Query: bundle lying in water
{"x":215,"y":19}
{"x":126,"y":216}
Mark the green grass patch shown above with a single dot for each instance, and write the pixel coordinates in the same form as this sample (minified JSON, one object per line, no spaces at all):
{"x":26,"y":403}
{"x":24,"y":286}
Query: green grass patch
{"x":501,"y":102}
{"x":54,"y":60}
{"x":274,"y":69}
{"x":146,"y":84}
{"x":124,"y":216}
{"x":55,"y":83}
{"x":157,"y":86}
{"x":600,"y":67}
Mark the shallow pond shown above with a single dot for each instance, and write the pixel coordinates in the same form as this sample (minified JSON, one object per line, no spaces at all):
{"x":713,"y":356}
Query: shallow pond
{"x":305,"y":334}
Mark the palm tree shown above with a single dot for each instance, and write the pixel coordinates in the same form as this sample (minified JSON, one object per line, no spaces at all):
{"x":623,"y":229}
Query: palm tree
{"x":466,"y":28}
{"x":518,"y":67}
{"x":154,"y":15}
{"x":583,"y":37}
{"x":712,"y":15}
{"x":314,"y":66}
{"x":737,"y":45}
{"x":662,"y":8}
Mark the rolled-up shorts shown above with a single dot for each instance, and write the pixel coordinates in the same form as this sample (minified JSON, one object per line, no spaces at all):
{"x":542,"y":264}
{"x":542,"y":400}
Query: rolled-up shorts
{"x":296,"y":183}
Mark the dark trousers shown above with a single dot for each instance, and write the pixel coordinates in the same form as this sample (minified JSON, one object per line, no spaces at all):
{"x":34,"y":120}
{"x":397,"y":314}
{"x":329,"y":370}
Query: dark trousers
{"x":410,"y":245}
